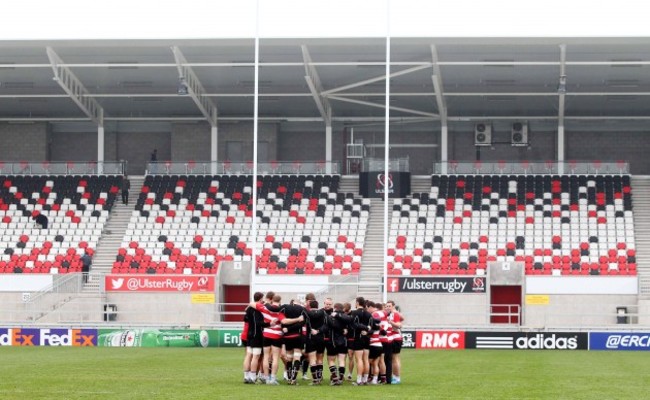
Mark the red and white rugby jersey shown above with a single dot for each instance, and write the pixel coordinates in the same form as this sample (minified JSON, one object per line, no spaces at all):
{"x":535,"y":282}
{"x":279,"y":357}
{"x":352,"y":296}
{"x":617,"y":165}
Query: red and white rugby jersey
{"x":274,"y":331}
{"x":397,"y":333}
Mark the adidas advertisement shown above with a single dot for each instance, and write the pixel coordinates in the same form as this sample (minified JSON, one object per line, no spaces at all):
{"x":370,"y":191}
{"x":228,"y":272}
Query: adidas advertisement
{"x":527,"y":340}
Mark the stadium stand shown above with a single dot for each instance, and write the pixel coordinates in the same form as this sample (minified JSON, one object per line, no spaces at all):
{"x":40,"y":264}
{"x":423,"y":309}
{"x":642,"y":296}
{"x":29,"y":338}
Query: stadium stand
{"x":191,"y":223}
{"x":77,"y":208}
{"x":555,"y":224}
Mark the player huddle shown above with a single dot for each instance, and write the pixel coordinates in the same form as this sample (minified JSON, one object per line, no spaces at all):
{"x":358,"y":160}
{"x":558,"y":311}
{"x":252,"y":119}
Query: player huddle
{"x":366,"y":337}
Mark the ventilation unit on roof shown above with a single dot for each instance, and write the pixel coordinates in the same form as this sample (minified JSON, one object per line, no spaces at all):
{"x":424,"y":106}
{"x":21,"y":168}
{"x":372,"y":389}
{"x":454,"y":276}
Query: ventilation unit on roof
{"x":519,"y":134}
{"x":483,"y":134}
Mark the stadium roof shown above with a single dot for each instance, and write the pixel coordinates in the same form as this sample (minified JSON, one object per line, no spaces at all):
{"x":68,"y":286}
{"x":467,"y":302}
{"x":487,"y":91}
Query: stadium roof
{"x":591,"y":82}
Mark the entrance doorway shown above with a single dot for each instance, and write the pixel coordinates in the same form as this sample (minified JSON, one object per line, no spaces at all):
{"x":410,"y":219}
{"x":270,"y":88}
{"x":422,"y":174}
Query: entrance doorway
{"x":236,"y":298}
{"x":505,"y":304}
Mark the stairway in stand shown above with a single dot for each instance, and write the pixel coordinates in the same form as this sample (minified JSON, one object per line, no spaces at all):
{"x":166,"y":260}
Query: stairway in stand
{"x":112,"y":236}
{"x":372,"y":269}
{"x":641,"y":204}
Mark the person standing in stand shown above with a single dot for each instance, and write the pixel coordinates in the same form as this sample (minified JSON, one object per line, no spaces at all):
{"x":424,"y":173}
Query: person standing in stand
{"x":126,"y":186}
{"x":154,"y":159}
{"x":86,"y":261}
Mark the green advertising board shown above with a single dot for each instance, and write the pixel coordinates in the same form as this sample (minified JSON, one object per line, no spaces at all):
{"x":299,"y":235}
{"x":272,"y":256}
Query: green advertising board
{"x":229,"y":338}
{"x":144,"y":337}
{"x":147,"y":337}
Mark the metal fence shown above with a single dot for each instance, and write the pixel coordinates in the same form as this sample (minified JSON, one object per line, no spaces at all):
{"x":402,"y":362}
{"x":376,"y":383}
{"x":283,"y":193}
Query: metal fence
{"x":63,"y":168}
{"x":532,"y":167}
{"x":242,"y":168}
{"x":379,"y":164}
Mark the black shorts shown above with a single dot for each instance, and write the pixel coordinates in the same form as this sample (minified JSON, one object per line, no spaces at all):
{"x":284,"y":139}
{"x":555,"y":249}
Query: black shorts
{"x":244,"y":343}
{"x":397,"y":346}
{"x":388,"y":347}
{"x":375,"y":351}
{"x":350,"y":344}
{"x":255,"y":342}
{"x":272,"y":342}
{"x":363,"y":343}
{"x":291,"y":344}
{"x":334,"y":349}
{"x":315,"y":344}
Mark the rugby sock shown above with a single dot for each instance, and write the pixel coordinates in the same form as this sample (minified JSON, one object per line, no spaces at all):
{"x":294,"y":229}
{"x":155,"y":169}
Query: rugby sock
{"x":305,"y":365}
{"x":314,"y":373}
{"x":288,"y":370}
{"x":374,"y":379}
{"x":382,"y":378}
{"x":333,"y":373}
{"x":319,"y":372}
{"x":341,"y":373}
{"x":295,"y":369}
{"x":365,"y":378}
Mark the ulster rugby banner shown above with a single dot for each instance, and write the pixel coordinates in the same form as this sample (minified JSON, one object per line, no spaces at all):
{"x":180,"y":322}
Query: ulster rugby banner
{"x":436,"y":285}
{"x":160,"y":283}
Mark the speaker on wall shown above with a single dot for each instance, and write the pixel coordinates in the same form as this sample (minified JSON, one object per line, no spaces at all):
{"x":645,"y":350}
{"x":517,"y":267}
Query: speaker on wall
{"x":519,"y":134}
{"x":482,"y":134}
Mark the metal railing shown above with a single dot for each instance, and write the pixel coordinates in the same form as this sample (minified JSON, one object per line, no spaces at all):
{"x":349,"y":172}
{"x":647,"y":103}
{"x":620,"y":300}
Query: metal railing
{"x":242,"y":168}
{"x":62,"y":168}
{"x":63,"y":289}
{"x":511,"y":315}
{"x":378,"y":164}
{"x":644,"y":285}
{"x":532,"y":167}
{"x":131,"y":310}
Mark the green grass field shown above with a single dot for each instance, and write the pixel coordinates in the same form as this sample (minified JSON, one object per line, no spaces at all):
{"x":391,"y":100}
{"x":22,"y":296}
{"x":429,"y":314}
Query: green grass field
{"x":215,"y":373}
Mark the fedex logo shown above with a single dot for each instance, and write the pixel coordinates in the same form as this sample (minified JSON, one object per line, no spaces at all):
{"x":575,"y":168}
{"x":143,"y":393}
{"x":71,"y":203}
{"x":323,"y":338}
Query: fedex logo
{"x":19,"y":337}
{"x":69,"y":337}
{"x":440,"y":340}
{"x":48,"y":337}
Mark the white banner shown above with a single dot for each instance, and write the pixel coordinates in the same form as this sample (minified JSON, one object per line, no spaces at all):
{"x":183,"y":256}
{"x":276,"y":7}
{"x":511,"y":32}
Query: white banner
{"x":581,"y":285}
{"x":24,"y":282}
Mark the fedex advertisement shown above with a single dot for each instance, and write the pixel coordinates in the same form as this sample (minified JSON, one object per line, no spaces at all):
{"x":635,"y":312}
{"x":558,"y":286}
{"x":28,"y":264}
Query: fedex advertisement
{"x":48,"y":337}
{"x":630,"y":341}
{"x":159,"y":283}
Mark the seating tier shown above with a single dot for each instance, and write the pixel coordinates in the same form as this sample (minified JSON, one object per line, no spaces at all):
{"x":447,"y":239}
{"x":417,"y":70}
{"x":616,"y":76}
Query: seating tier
{"x":193,"y":223}
{"x":560,"y":225}
{"x":77,"y":207}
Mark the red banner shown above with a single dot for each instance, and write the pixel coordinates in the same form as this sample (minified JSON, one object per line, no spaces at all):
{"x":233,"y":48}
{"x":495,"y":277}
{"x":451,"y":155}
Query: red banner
{"x":159,"y":283}
{"x":440,"y":340}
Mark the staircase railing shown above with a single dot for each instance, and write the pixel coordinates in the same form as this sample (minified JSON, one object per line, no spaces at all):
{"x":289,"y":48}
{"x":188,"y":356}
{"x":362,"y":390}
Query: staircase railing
{"x":63,"y":289}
